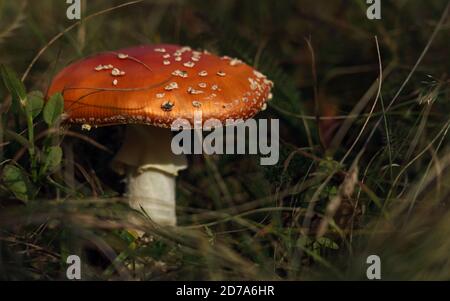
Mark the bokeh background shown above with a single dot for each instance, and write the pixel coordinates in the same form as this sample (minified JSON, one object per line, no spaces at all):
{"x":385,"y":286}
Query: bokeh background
{"x":353,"y":179}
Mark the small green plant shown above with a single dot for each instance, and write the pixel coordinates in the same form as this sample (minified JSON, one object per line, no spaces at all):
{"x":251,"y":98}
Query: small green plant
{"x":25,"y":181}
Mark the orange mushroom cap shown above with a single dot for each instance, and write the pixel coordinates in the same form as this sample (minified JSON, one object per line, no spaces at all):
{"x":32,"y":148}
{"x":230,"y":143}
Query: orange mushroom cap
{"x":156,"y":84}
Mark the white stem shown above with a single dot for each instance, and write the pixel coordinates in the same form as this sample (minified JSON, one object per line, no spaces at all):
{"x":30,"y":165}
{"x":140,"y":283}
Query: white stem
{"x":151,"y":168}
{"x":154,"y":192}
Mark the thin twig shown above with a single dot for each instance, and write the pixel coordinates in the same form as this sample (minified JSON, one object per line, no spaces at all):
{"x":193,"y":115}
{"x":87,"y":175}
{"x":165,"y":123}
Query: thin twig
{"x":316,"y":93}
{"x":400,"y":90}
{"x":377,"y":97}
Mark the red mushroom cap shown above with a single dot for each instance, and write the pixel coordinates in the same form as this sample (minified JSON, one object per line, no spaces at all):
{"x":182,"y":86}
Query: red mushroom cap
{"x":157,"y":84}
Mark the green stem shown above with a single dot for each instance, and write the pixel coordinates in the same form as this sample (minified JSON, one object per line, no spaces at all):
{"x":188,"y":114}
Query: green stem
{"x":31,"y":149}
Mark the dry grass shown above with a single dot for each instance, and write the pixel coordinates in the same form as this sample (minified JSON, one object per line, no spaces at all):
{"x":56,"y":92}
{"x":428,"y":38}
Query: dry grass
{"x":380,"y":184}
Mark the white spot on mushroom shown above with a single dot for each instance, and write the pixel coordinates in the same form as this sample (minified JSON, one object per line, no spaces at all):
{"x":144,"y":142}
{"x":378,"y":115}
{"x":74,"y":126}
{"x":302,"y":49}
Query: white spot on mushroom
{"x":191,"y":90}
{"x":160,"y":50}
{"x":268,"y":82}
{"x":253,"y":84}
{"x":171,"y":86}
{"x":166,"y":62}
{"x":196,"y":104}
{"x":235,"y":62}
{"x":203,"y":73}
{"x":189,"y":64}
{"x":214,"y":87}
{"x":122,"y":56}
{"x":211,"y":96}
{"x":160,"y":95}
{"x":166,"y":56}
{"x":103,"y":67}
{"x":180,"y":73}
{"x":177,"y":59}
{"x":114,"y":82}
{"x":264,"y":107}
{"x":258,"y":74}
{"x":221,"y":73}
{"x":117,"y":72}
{"x":202,"y":85}
{"x":185,"y":48}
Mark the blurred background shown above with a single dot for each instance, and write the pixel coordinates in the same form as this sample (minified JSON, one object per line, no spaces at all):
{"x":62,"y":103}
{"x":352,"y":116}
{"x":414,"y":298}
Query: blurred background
{"x":363,"y":169}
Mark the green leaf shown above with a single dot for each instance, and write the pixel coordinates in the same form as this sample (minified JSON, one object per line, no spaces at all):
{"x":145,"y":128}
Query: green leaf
{"x":53,"y":108}
{"x":327,"y":243}
{"x":127,"y":236}
{"x":52,"y":159}
{"x":17,"y":182}
{"x":14,"y":86}
{"x":35,"y":103}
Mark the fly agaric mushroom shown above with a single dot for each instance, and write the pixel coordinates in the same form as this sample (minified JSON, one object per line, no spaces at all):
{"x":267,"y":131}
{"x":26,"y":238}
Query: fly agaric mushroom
{"x":149,"y":87}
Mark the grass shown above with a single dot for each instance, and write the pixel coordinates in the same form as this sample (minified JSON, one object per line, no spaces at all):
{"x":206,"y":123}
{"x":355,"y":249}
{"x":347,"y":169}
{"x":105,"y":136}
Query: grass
{"x":364,"y":163}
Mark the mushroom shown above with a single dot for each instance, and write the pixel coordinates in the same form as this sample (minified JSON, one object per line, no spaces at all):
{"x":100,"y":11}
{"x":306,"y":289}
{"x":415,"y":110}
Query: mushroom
{"x":147,"y":88}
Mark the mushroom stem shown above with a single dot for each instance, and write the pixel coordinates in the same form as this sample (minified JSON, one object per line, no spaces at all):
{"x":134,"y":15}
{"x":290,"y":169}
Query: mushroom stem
{"x":151,"y":167}
{"x":154,"y":192}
